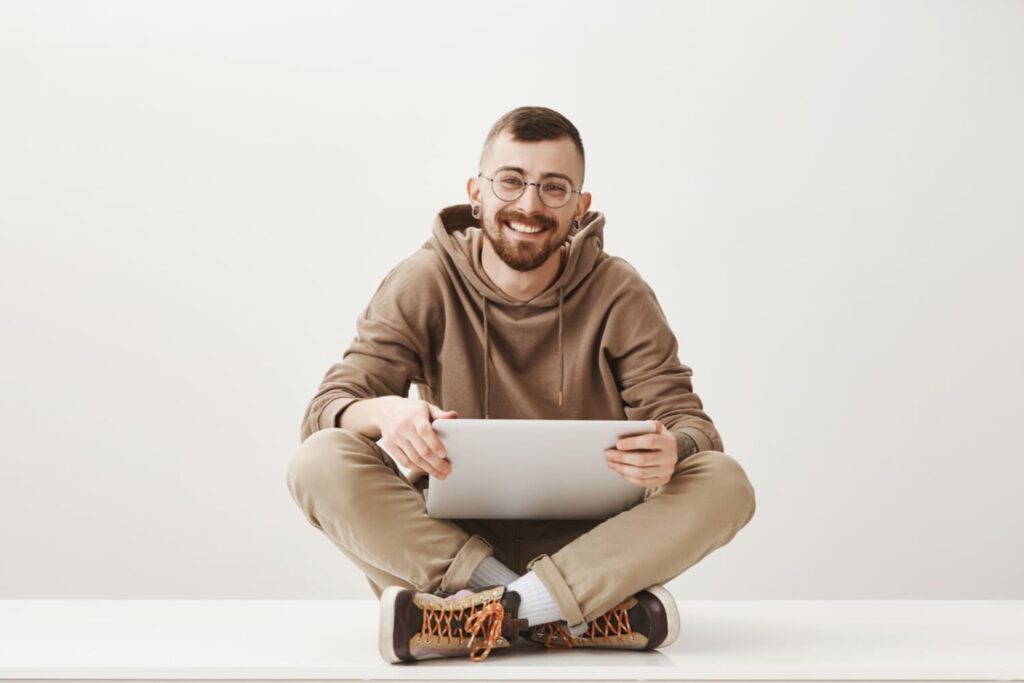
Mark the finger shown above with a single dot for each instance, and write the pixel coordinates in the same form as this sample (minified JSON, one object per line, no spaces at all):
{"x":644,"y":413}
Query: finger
{"x":417,"y":457}
{"x":431,"y":439}
{"x":437,"y":412}
{"x":642,"y":481}
{"x":436,"y":463}
{"x":430,"y":452}
{"x":399,"y":455}
{"x":643,"y":441}
{"x":638,"y":458}
{"x":648,"y":482}
{"x":639,"y":472}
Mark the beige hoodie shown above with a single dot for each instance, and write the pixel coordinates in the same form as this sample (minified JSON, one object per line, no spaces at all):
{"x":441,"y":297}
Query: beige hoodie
{"x":595,"y":345}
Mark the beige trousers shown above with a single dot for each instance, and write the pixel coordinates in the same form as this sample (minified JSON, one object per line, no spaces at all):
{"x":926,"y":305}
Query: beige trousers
{"x":351,"y":490}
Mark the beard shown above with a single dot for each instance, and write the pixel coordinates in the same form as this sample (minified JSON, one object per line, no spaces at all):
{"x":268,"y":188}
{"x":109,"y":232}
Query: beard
{"x":526,"y":253}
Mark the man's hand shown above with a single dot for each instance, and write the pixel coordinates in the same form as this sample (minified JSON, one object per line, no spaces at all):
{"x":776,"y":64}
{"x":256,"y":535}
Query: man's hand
{"x":407,"y":435}
{"x":646,"y":459}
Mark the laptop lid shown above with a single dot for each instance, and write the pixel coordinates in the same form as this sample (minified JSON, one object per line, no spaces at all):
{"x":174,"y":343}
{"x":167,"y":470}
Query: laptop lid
{"x":532,"y":469}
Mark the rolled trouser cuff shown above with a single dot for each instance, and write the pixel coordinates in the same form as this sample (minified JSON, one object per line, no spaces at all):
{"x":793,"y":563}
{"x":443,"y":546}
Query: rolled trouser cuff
{"x":544,"y":567}
{"x":469,"y":557}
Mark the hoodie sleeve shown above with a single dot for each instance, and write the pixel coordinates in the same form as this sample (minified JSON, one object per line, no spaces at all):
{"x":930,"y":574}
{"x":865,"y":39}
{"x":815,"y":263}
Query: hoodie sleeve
{"x":653,"y":383}
{"x":387,"y":354}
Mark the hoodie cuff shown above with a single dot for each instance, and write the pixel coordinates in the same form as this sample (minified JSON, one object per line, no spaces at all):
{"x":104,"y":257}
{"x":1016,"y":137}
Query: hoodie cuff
{"x":331,"y":413}
{"x":699,"y":437}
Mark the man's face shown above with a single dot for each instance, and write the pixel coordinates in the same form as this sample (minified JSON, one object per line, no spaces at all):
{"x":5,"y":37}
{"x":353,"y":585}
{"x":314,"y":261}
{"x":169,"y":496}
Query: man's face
{"x":522,"y":251}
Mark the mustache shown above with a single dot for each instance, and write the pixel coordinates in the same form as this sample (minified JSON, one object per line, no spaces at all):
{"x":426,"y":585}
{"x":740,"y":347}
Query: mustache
{"x":542,"y":221}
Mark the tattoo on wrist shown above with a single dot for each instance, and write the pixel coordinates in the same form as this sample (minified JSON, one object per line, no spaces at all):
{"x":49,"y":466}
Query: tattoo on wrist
{"x":687,"y":446}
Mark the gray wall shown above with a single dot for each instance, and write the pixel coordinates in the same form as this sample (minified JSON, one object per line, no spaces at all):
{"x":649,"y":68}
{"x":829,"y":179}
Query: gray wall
{"x":198,"y":199}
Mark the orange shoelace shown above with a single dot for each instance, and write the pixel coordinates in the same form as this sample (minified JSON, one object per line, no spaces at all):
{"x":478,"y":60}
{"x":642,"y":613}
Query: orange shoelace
{"x":614,"y":622}
{"x":483,"y":620}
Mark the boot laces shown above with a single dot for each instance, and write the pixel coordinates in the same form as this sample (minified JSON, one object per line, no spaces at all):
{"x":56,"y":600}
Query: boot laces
{"x":614,"y":622}
{"x":481,"y":621}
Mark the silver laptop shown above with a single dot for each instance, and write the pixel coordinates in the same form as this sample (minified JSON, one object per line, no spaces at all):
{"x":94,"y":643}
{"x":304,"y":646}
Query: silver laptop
{"x":532,"y":469}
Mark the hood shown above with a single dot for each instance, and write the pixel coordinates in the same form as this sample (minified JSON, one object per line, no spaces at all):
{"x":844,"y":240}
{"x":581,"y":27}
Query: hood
{"x":458,"y":238}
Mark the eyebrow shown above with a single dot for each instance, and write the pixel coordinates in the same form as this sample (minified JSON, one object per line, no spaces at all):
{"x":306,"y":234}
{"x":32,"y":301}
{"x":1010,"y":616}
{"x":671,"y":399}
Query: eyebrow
{"x":545,"y":175}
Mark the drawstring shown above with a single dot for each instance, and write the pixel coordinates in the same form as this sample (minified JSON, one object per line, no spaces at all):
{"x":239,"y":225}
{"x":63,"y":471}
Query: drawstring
{"x":487,"y":357}
{"x":487,"y":354}
{"x":561,"y":356}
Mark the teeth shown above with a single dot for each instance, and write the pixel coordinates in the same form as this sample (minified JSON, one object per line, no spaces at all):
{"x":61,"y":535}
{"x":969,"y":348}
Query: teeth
{"x":519,"y":227}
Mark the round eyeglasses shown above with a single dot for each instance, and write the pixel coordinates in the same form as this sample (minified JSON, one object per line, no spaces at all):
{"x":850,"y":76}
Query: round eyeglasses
{"x":509,"y":186}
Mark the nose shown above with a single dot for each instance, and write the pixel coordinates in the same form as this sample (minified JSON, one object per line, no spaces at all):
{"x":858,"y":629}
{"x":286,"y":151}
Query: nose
{"x":529,"y":203}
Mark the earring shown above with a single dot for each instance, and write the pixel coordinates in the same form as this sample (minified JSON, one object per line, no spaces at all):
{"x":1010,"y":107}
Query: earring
{"x":476,"y":211}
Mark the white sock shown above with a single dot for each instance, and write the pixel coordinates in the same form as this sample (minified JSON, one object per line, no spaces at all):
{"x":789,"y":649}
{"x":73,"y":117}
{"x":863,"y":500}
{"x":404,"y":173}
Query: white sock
{"x":491,"y":572}
{"x":537,"y":605}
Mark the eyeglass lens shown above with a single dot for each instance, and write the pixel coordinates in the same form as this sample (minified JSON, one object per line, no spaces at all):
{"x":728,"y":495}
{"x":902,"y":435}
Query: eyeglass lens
{"x":509,"y":186}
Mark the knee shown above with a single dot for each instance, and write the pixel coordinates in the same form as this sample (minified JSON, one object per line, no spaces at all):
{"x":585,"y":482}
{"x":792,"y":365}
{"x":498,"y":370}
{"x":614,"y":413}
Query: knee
{"x":325,"y":458}
{"x":730,"y":481}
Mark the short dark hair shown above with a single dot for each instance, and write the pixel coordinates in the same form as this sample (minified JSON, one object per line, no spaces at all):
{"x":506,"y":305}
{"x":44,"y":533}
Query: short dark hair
{"x":533,"y":124}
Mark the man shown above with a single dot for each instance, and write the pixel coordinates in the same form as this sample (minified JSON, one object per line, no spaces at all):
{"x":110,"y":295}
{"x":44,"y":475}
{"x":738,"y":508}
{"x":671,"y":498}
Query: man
{"x":512,"y":309}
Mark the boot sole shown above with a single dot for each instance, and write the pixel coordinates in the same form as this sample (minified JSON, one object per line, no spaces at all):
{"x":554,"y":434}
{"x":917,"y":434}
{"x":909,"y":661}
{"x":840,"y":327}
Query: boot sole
{"x":671,"y":614}
{"x":386,"y":620}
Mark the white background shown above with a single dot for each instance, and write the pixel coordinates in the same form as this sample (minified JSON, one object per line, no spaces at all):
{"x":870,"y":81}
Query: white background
{"x":198,"y":198}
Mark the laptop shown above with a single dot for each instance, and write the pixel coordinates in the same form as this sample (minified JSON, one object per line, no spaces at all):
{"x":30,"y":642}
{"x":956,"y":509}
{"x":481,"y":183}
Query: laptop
{"x":532,"y":469}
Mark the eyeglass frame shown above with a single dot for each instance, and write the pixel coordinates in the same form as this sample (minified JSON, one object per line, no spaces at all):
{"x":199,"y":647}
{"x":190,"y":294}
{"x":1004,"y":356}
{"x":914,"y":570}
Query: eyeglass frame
{"x":526,"y":184}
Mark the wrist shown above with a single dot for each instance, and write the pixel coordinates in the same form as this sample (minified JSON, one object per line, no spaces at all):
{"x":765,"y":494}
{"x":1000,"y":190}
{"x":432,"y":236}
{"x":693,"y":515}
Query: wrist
{"x":685,"y":446}
{"x":363,"y":416}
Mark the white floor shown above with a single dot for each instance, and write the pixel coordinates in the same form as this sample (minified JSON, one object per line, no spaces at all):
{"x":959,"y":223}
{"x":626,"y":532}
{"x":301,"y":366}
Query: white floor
{"x":307,"y":639}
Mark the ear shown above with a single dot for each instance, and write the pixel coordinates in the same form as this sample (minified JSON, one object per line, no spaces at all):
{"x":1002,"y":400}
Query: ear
{"x":473,"y":190}
{"x":583,"y":205}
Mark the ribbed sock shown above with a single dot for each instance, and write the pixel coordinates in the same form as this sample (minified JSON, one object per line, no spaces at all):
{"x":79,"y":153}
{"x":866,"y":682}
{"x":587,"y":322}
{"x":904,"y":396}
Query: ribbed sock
{"x":491,"y":572}
{"x":537,"y":605}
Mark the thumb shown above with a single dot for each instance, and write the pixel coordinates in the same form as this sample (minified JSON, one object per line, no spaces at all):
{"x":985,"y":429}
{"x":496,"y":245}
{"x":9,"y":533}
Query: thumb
{"x":436,"y":412}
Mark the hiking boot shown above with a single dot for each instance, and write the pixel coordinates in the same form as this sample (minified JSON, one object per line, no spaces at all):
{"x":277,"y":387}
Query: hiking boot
{"x":645,"y":621}
{"x":416,"y":625}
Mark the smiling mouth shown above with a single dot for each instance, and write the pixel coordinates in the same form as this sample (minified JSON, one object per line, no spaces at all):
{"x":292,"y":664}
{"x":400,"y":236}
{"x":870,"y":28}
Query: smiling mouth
{"x":524,"y":228}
